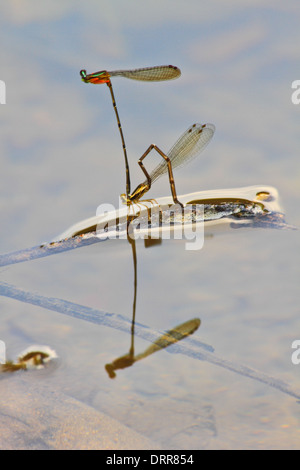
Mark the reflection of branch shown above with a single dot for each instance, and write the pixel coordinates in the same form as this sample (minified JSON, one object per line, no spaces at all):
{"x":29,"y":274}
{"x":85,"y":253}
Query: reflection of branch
{"x":191,"y":347}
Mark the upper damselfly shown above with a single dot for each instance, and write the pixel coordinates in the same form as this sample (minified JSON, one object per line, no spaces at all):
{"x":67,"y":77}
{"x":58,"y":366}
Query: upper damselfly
{"x":148,"y":74}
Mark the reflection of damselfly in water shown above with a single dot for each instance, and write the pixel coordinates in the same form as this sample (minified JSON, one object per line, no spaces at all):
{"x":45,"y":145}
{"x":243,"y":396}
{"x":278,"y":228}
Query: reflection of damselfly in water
{"x":187,"y":147}
{"x":148,"y":74}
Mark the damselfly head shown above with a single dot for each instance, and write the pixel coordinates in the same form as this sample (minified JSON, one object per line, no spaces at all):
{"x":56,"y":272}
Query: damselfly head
{"x":124,"y":198}
{"x":95,"y":78}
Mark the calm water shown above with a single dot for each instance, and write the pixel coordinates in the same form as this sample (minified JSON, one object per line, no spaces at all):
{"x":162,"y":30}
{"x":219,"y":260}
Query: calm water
{"x":61,"y":157}
{"x":243,"y":286}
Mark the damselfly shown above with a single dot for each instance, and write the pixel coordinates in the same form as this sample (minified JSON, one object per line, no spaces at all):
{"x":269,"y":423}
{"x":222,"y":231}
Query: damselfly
{"x":187,"y":147}
{"x":148,"y":74}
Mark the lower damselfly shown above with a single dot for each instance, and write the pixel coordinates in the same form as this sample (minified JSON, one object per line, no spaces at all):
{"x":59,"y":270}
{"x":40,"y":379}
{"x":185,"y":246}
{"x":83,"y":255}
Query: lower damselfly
{"x":187,"y":147}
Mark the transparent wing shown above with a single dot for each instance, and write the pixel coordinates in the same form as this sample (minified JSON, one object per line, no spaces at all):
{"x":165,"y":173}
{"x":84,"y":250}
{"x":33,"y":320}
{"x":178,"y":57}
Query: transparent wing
{"x":187,"y":147}
{"x":149,"y":74}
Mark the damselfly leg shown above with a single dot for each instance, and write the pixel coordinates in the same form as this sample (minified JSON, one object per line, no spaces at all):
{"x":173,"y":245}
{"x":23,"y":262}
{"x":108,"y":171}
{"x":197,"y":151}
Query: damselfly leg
{"x":170,"y":171}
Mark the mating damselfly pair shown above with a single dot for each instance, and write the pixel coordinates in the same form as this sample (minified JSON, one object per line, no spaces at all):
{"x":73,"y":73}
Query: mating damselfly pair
{"x":187,"y":147}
